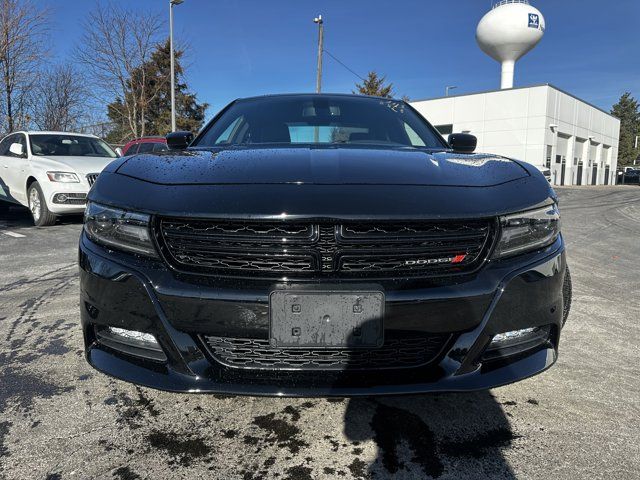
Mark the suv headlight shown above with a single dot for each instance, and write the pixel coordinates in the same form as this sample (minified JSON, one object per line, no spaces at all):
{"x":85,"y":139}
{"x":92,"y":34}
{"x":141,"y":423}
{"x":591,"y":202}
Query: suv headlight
{"x":63,"y":177}
{"x":531,"y":230}
{"x":119,"y":229}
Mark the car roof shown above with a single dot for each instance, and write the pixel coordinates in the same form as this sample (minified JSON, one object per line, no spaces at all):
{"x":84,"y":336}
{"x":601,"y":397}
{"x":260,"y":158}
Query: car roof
{"x":51,"y":132}
{"x":150,"y":139}
{"x":352,"y":95}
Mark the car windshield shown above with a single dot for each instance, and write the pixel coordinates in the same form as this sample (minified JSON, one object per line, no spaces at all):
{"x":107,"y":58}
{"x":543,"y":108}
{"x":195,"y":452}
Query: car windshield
{"x":69,"y":145}
{"x":320,"y":119}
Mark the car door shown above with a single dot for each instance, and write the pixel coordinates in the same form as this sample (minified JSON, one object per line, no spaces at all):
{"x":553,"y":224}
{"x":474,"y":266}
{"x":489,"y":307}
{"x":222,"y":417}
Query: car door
{"x":13,"y":169}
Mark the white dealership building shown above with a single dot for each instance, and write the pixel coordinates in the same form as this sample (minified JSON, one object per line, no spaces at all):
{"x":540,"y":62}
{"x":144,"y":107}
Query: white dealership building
{"x":541,"y":124}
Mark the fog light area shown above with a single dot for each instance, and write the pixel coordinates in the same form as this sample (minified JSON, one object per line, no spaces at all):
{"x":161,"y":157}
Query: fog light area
{"x":131,"y":342}
{"x":507,"y":337}
{"x":133,"y":335}
{"x":517,"y":341}
{"x":70,"y":198}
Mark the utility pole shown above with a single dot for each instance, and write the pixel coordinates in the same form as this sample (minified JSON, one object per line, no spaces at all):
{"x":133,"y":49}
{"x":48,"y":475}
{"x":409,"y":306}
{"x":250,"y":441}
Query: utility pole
{"x":320,"y":23}
{"x":172,"y":3}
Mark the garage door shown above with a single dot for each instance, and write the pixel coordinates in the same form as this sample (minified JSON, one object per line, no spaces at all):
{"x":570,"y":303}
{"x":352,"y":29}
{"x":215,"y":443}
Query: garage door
{"x":592,"y":163}
{"x":577,"y":161}
{"x":561,"y":159}
{"x":604,"y":162}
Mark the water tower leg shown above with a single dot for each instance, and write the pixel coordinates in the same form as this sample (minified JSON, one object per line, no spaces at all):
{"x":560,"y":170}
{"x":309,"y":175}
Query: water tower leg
{"x":506,"y":80}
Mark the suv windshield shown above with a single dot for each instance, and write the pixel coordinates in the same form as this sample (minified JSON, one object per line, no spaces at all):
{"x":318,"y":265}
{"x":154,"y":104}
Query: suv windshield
{"x":69,"y":145}
{"x":320,"y":119}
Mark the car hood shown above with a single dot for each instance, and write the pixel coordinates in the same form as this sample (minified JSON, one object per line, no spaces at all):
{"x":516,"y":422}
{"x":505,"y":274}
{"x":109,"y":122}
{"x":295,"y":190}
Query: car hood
{"x":80,"y":165}
{"x":344,"y":165}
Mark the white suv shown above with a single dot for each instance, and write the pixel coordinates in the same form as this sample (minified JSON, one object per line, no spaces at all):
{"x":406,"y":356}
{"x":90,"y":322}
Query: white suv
{"x":50,"y":172}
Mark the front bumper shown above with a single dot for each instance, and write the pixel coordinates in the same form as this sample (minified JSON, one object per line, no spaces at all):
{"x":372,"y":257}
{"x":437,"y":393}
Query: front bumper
{"x":73,"y":191}
{"x":119,"y":290}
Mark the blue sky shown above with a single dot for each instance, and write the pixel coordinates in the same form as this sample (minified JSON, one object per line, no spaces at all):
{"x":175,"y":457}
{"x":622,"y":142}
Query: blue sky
{"x":250,"y":47}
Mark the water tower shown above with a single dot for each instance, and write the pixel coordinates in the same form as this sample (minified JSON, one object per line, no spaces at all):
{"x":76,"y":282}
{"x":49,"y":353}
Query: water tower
{"x":507,"y":32}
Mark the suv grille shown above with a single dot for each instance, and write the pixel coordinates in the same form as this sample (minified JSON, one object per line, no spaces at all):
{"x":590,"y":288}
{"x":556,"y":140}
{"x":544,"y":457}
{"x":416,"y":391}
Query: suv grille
{"x":413,"y":350}
{"x":91,"y":178}
{"x":304,"y":249}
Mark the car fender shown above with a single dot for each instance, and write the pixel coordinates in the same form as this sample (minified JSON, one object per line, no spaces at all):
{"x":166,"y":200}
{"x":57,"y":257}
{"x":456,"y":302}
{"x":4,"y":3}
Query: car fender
{"x":38,"y":168}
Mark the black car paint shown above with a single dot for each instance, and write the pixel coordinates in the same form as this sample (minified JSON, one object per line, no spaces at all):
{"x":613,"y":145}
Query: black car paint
{"x":335,"y":165}
{"x":285,"y":182}
{"x":145,"y":297}
{"x":497,"y":186}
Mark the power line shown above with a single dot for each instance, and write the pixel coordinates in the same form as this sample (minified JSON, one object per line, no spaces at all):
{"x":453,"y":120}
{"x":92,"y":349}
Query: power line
{"x":337,"y":60}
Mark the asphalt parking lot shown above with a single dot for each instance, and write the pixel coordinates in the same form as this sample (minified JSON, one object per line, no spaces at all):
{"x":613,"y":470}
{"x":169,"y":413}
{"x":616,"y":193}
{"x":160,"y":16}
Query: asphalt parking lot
{"x":60,"y":419}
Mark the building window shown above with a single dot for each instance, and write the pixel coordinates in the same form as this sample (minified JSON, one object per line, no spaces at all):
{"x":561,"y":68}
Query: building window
{"x":548,"y":158}
{"x":558,"y":158}
{"x":444,"y":129}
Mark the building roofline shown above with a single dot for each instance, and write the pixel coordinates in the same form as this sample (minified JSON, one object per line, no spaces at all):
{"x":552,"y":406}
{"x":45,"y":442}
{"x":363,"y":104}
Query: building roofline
{"x":516,"y":88}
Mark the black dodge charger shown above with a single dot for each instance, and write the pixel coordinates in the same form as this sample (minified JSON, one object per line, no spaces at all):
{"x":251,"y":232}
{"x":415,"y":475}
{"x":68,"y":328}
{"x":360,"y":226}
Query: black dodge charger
{"x":322,"y":245}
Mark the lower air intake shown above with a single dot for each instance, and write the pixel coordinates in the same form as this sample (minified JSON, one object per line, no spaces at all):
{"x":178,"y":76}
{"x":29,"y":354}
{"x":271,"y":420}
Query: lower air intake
{"x":413,"y":350}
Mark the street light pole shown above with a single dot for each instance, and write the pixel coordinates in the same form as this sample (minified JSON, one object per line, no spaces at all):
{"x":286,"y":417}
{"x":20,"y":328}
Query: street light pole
{"x":447,"y":88}
{"x":172,"y":3}
{"x":320,"y":23}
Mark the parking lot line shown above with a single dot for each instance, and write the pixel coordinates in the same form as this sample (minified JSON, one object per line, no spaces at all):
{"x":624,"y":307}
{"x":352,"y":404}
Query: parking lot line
{"x":13,"y":234}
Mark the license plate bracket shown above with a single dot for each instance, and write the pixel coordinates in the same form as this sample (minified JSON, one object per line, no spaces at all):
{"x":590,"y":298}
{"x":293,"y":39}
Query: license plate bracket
{"x":326,"y":319}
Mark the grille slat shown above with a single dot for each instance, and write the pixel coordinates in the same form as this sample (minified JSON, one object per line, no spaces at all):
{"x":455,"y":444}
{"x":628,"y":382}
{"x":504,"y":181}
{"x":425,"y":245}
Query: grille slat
{"x":310,"y":249}
{"x":249,"y":230}
{"x":251,"y":262}
{"x":91,"y":178}
{"x":413,"y":230}
{"x":410,"y":351}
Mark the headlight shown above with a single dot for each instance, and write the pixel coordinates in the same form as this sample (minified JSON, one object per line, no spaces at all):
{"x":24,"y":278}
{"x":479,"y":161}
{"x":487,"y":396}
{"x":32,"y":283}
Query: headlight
{"x":63,"y":177}
{"x":530,"y":230}
{"x":119,"y":229}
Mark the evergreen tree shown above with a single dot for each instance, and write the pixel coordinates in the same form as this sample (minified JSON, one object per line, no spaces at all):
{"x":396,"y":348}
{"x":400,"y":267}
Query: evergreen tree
{"x":150,"y":86}
{"x":627,"y":111}
{"x":189,"y":113}
{"x":375,"y":85}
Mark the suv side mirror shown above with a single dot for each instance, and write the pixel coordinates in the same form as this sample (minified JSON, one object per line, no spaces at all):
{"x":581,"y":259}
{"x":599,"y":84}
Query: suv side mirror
{"x":179,"y":140}
{"x":463,"y":142}
{"x":118,"y":151}
{"x":17,"y":149}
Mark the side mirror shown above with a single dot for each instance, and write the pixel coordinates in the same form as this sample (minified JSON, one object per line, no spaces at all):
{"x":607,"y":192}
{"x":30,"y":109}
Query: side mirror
{"x":17,"y":149}
{"x":463,"y":142}
{"x":119,"y":151}
{"x":179,"y":140}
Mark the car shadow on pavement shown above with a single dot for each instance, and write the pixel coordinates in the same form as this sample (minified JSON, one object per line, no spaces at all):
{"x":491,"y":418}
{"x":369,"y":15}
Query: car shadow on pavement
{"x":459,"y":435}
{"x":16,"y":216}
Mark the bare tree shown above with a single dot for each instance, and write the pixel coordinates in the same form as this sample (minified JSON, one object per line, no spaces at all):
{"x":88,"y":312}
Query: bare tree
{"x":115,"y":45}
{"x":60,"y":101}
{"x":23,"y":33}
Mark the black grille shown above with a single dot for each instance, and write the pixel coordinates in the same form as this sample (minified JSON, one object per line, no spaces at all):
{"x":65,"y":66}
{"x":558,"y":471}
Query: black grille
{"x":91,"y":178}
{"x":353,"y":249}
{"x":413,"y":350}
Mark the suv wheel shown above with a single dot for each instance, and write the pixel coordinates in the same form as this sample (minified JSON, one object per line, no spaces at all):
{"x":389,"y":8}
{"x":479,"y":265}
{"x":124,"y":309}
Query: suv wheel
{"x":42,"y":217}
